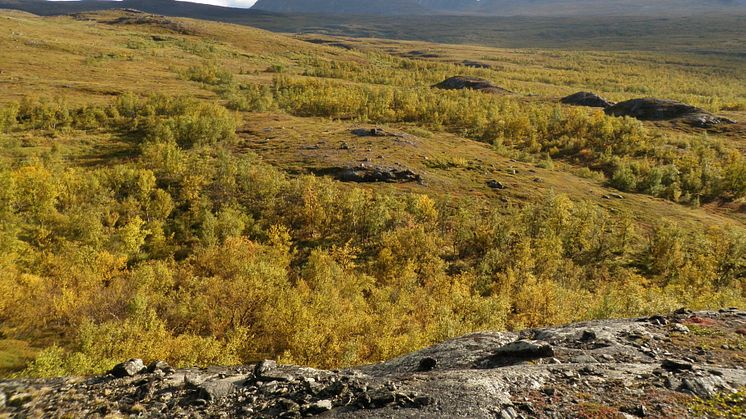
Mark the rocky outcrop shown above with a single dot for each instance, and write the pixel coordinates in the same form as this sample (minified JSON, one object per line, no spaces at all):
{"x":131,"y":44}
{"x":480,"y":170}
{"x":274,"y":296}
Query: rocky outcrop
{"x":137,"y":17}
{"x":128,"y":368}
{"x":475,"y":64}
{"x":330,"y":43}
{"x":494,"y":184}
{"x":380,"y":132}
{"x":586,"y":99}
{"x":421,"y":54}
{"x":652,"y":367}
{"x":463,"y":82}
{"x":367,"y":174}
{"x":371,"y":132}
{"x":651,"y":109}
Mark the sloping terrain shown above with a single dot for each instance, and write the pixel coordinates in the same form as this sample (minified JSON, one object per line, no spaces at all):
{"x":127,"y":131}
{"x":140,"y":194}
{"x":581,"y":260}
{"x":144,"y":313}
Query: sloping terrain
{"x":211,"y":194}
{"x":661,"y":366}
{"x":94,"y":57}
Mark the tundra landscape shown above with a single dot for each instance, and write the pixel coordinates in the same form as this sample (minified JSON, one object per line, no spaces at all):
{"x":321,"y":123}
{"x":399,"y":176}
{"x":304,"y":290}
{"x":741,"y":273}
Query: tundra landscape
{"x":413,"y":209}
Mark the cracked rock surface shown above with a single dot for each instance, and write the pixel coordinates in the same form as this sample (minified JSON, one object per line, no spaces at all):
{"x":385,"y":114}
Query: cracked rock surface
{"x":650,"y":367}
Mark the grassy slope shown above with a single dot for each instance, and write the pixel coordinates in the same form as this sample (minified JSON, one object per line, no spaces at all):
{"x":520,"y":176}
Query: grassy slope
{"x":292,"y":142}
{"x":85,"y":60}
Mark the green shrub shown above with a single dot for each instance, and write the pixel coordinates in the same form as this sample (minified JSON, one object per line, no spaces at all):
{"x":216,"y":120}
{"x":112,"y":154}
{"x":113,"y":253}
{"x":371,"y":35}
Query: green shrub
{"x":8,"y":116}
{"x":624,"y":178}
{"x":250,"y":97}
{"x":208,"y":73}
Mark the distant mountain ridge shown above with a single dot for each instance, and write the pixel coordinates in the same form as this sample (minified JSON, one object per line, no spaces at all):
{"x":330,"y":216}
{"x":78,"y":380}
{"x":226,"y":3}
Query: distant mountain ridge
{"x":396,"y":7}
{"x":503,"y":7}
{"x":355,"y":7}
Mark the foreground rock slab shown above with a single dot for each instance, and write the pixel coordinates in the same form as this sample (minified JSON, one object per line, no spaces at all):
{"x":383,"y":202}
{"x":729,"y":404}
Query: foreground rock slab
{"x":627,"y":368}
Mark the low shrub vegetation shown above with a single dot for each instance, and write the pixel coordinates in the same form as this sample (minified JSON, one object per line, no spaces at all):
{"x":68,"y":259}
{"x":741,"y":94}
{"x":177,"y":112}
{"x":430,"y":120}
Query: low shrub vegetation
{"x":197,"y":255}
{"x":632,"y":156}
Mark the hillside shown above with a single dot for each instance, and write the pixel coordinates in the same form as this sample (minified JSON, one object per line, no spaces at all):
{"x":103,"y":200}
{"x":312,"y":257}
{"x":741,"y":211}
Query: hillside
{"x":206,"y":193}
